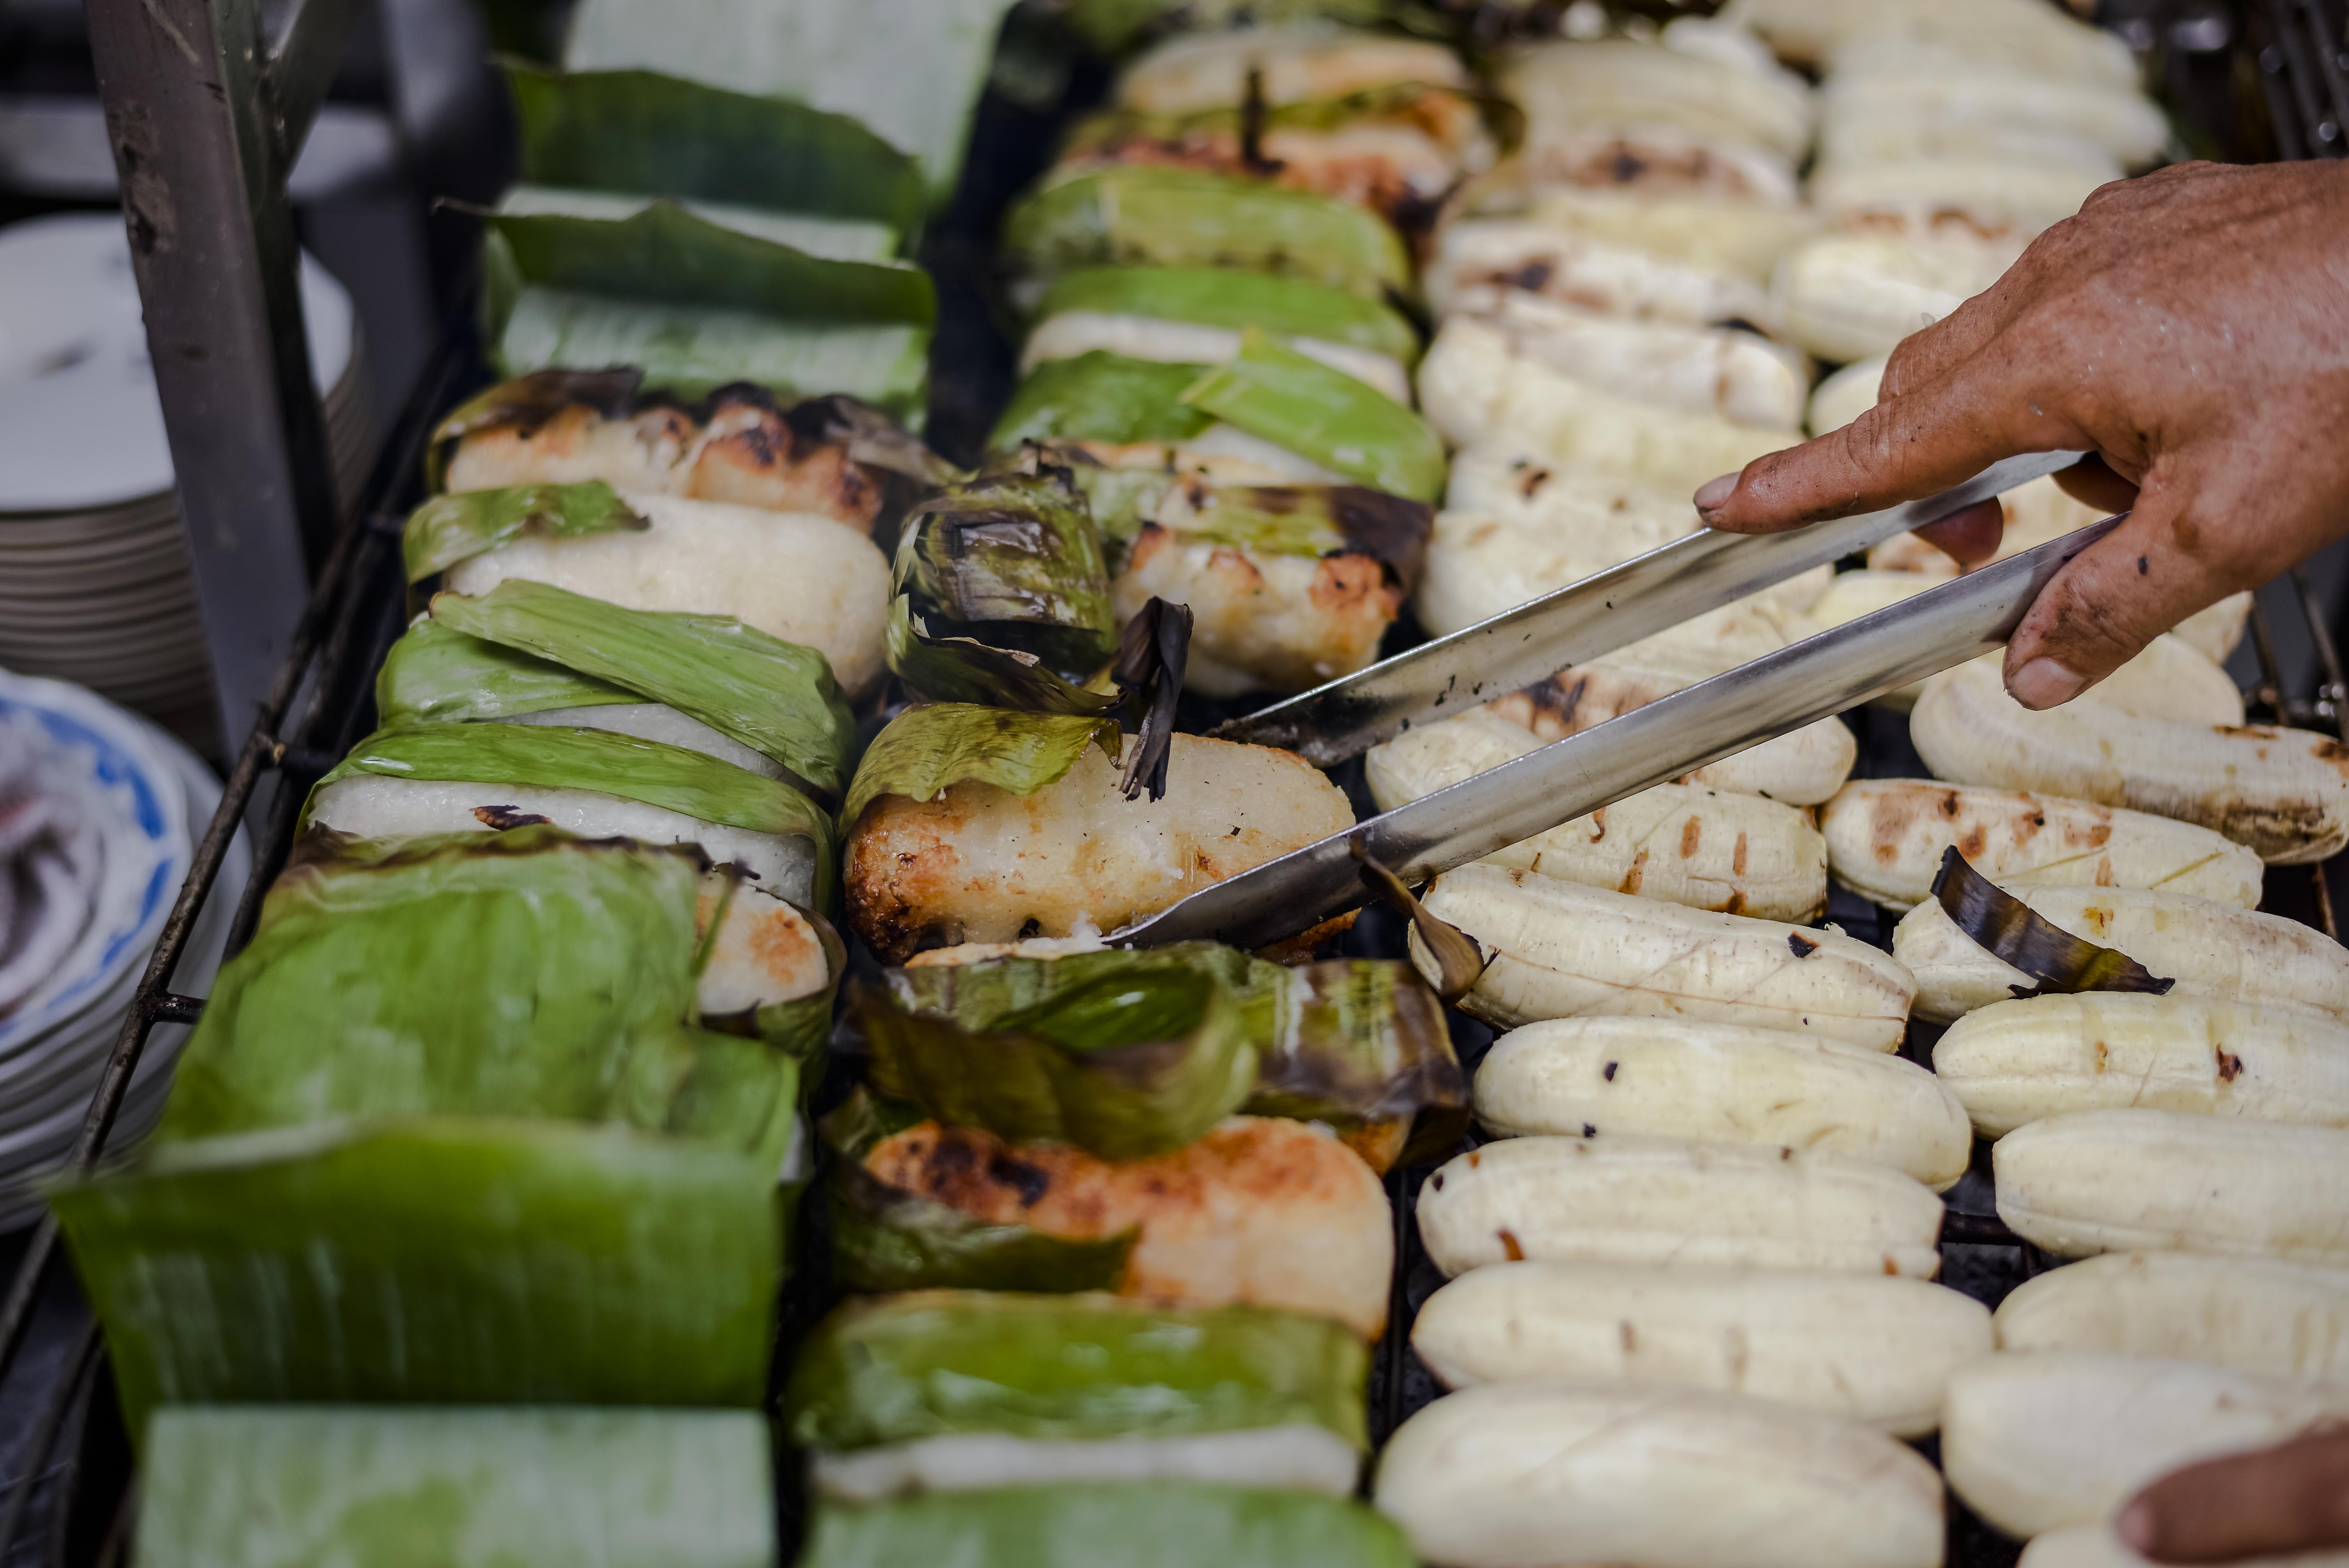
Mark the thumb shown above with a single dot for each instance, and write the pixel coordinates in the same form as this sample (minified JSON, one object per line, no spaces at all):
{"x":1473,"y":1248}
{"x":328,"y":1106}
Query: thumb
{"x":2288,"y":1499}
{"x":2111,"y":600}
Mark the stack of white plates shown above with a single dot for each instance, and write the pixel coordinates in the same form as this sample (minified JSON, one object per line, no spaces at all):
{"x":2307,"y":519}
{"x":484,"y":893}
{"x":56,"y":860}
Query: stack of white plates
{"x":94,"y":580}
{"x":138,"y":800}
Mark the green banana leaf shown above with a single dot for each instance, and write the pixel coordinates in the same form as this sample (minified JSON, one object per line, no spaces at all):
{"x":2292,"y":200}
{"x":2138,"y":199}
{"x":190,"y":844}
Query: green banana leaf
{"x":1110,"y":1524}
{"x":435,"y":1260}
{"x":1013,"y":560}
{"x":436,"y":676}
{"x":1273,"y":391}
{"x":826,"y":238}
{"x":641,"y":131}
{"x":1291,"y":307}
{"x":452,"y":528}
{"x":912,"y":70}
{"x":1347,"y":1042}
{"x":1122,"y":499}
{"x":1098,"y":395}
{"x":885,"y":1238}
{"x":553,"y":758}
{"x":1068,"y":1368}
{"x":1132,"y":1061}
{"x":952,"y":669}
{"x":665,"y":254}
{"x":776,"y":698}
{"x":1157,"y":215}
{"x":524,"y":974}
{"x":924,"y":750}
{"x":691,"y":350}
{"x":514,"y":1488}
{"x":1305,"y":520}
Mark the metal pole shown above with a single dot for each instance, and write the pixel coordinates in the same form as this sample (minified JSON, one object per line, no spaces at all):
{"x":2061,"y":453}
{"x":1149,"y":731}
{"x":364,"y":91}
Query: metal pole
{"x":201,"y":148}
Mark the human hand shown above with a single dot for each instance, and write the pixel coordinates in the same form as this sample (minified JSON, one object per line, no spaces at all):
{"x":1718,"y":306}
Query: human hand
{"x":2190,"y":329}
{"x":2291,"y":1498}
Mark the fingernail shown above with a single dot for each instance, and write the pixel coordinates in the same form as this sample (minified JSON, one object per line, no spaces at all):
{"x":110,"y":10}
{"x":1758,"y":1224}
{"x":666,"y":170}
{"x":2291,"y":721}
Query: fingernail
{"x":2136,"y":1528}
{"x":2044,"y":682}
{"x":1715,"y":491}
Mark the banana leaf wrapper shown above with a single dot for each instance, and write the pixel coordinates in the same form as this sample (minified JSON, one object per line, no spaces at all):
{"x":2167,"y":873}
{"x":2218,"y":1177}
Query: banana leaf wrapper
{"x":516,"y":974}
{"x":1272,"y":391}
{"x":2009,"y":930}
{"x":887,"y":1239}
{"x":512,"y":1487}
{"x":1155,"y":215}
{"x":1356,"y":1043}
{"x":1068,"y":1368}
{"x":927,"y":750}
{"x":693,"y":350}
{"x":553,"y":758}
{"x":1289,"y":307}
{"x":1118,"y":1524}
{"x":826,"y":238}
{"x":664,"y":135}
{"x":1303,"y":519}
{"x":433,"y":1260}
{"x":437,"y":675}
{"x":1131,"y":1061}
{"x":1098,"y":395}
{"x":802,"y":1027}
{"x":777,"y":697}
{"x":452,"y":528}
{"x":957,"y":669}
{"x":1012,"y":559}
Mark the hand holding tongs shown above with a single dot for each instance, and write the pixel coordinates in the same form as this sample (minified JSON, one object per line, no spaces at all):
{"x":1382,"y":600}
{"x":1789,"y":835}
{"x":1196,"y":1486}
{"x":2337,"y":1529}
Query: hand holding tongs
{"x":1814,"y":679}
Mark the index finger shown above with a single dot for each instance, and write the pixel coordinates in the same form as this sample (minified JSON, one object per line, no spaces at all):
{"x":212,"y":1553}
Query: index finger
{"x":2293,"y":1498}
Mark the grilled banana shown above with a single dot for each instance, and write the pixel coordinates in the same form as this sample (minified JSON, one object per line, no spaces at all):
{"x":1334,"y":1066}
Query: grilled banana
{"x":1558,"y":950}
{"x":1478,"y":259}
{"x":1723,"y":1083}
{"x":1658,"y":1201}
{"x":2052,"y":1439}
{"x":1875,"y":1350}
{"x":2281,"y":1320}
{"x":2281,"y":792}
{"x":2109,"y":1180}
{"x":1513,"y":1475}
{"x":1885,"y":837}
{"x":1700,"y":848}
{"x":2208,"y":948}
{"x":2020,"y":1061}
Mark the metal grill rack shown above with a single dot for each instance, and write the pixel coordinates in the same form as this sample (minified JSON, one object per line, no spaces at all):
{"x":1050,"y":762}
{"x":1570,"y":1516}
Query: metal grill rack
{"x":65,"y":1498}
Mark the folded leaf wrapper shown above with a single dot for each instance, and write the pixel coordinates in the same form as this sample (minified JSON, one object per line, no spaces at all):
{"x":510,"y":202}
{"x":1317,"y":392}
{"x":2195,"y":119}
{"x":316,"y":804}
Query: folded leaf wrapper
{"x":1289,"y":307}
{"x":1098,"y":395}
{"x":550,"y":758}
{"x":946,"y":668}
{"x":926,"y":750}
{"x":1136,"y":1524}
{"x":437,"y":1259}
{"x":887,"y":1239}
{"x":436,"y":676}
{"x":452,"y":528}
{"x":1153,"y":215}
{"x":1012,"y":559}
{"x":1273,"y":391}
{"x":515,"y":974}
{"x":1072,"y":1368}
{"x":1130,"y":1060}
{"x":777,"y":697}
{"x":518,"y":1488}
{"x":641,"y":131}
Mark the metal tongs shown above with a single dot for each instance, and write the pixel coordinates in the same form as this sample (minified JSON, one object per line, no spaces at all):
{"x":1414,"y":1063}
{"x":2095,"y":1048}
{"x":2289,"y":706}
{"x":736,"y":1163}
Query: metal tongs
{"x":1814,"y":679}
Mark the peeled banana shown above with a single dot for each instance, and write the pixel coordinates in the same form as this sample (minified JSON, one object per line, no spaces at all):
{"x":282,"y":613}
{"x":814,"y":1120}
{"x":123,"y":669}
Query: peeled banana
{"x":2279,"y":1320}
{"x":1742,"y":229}
{"x":2208,"y":948}
{"x":2020,"y":1061}
{"x":1853,"y":293}
{"x":2096,"y":1546}
{"x":2109,"y":1180}
{"x":2283,"y":793}
{"x":1885,"y":837}
{"x":1618,"y":82}
{"x":1723,"y":1083}
{"x":1478,"y":258}
{"x":1477,"y":382}
{"x":2051,"y":1438}
{"x":1559,"y":950}
{"x":1657,"y":1201}
{"x":1531,"y":1475}
{"x":1876,"y":1350}
{"x":1700,"y":848}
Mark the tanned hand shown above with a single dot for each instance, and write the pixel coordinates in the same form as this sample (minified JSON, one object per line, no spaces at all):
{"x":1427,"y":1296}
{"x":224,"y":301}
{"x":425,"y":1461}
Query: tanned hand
{"x":2191,"y":330}
{"x":2268,"y":1504}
